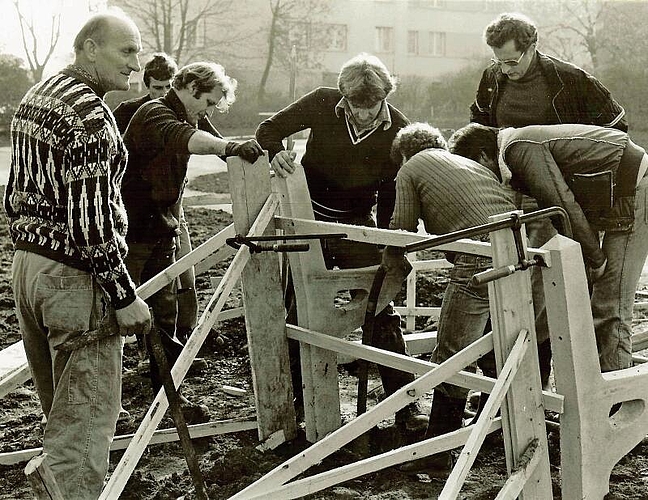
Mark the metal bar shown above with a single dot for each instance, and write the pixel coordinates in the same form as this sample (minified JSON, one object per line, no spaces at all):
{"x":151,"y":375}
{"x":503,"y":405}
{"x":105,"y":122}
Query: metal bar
{"x":491,"y":226}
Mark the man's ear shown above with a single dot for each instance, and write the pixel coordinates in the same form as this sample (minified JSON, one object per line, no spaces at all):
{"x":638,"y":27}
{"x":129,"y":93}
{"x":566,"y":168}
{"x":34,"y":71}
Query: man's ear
{"x":490,"y":164}
{"x":192,"y":90}
{"x":90,"y":49}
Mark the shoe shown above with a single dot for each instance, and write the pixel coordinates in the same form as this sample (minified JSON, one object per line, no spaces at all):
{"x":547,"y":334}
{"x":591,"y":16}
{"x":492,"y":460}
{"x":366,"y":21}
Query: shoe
{"x":436,"y":466}
{"x":194,"y":413}
{"x":412,"y":419}
{"x":124,"y":415}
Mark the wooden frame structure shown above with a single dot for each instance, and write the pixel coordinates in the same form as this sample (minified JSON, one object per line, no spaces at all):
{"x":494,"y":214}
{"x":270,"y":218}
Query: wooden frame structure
{"x":516,"y":390}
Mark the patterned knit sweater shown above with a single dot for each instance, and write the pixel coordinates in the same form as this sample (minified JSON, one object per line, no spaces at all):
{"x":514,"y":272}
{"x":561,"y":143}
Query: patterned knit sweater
{"x":63,"y":196}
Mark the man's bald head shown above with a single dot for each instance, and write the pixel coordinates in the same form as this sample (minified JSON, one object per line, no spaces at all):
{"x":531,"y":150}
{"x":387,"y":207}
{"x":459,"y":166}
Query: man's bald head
{"x":98,"y":27}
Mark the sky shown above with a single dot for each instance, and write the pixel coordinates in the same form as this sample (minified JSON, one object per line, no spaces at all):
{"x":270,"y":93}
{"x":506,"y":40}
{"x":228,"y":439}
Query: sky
{"x":73,"y":14}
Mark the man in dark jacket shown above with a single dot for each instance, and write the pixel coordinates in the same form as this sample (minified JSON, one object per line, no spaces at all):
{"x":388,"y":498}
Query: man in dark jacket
{"x":597,"y":175}
{"x":160,"y":138}
{"x":523,"y":86}
{"x":349,"y":170}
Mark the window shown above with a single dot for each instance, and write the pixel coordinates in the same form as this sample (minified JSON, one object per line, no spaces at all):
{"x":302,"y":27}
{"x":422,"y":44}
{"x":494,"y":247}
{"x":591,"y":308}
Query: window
{"x":195,"y":33}
{"x":384,"y":39}
{"x":413,"y":42}
{"x":436,"y":43}
{"x":335,"y":37}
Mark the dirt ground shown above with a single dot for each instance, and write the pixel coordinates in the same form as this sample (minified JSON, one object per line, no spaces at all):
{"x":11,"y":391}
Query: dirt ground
{"x":231,"y":462}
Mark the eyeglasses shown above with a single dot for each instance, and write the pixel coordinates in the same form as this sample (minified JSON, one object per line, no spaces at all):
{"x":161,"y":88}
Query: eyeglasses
{"x":511,"y":63}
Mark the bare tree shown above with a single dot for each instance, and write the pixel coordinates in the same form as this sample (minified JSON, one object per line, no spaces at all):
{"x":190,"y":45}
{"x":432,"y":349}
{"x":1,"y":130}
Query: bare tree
{"x":38,"y":58}
{"x":185,"y":29}
{"x":298,"y":23}
{"x":572,"y":26}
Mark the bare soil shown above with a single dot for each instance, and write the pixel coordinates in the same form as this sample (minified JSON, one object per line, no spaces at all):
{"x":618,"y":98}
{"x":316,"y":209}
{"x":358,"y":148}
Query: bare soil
{"x":231,"y":462}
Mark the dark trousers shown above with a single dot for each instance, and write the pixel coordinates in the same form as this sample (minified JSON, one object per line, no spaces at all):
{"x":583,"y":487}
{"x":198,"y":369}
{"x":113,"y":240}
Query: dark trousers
{"x":145,"y":260}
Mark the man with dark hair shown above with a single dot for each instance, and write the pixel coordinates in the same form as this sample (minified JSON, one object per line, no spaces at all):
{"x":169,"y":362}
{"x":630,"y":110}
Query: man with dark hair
{"x":160,"y":138}
{"x":597,"y":174}
{"x":158,"y":73}
{"x":523,"y":87}
{"x":68,"y":225}
{"x":448,"y":193}
{"x":348,"y":170}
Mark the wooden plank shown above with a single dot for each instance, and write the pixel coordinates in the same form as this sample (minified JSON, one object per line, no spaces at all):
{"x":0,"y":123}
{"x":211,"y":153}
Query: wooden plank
{"x":468,"y":380}
{"x":410,"y":297}
{"x":432,"y":312}
{"x":511,"y":306}
{"x":318,"y":482}
{"x":219,"y":255}
{"x":160,"y":436}
{"x":14,"y":370}
{"x":315,"y":288}
{"x":264,"y":305}
{"x":516,"y":481}
{"x":393,"y":237}
{"x":469,"y":452}
{"x":420,"y":342}
{"x":334,"y":441}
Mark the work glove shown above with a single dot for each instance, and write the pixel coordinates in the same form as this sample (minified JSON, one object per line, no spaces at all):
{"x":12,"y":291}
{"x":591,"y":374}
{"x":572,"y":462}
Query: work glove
{"x":248,"y":150}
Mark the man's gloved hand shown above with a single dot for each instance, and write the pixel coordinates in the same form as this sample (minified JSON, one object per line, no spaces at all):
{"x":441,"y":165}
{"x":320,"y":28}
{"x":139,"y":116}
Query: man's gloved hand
{"x":595,"y":273}
{"x":248,"y":150}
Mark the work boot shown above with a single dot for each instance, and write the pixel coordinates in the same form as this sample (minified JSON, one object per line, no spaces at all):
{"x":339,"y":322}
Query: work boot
{"x":412,"y":419}
{"x":436,"y":466}
{"x":446,"y":415}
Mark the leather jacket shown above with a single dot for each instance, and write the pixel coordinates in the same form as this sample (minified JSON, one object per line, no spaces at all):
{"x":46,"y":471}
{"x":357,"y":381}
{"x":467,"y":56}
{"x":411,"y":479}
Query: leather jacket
{"x":577,"y":97}
{"x":589,"y":171}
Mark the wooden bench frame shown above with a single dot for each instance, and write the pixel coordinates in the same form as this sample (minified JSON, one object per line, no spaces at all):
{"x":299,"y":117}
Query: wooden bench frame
{"x":516,"y":390}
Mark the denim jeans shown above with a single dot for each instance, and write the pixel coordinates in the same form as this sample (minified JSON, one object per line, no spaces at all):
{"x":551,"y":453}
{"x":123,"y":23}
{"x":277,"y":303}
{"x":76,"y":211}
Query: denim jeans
{"x":464,"y":317}
{"x":145,"y":260}
{"x":79,"y":391}
{"x":613,"y":294}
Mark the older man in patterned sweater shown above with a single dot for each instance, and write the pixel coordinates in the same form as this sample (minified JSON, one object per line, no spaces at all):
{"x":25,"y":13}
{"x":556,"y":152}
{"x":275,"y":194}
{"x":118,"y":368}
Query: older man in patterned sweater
{"x":68,"y":225}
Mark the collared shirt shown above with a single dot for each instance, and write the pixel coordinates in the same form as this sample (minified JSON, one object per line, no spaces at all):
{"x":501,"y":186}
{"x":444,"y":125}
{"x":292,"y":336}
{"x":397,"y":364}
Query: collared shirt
{"x":358,"y":134}
{"x":342,"y":175}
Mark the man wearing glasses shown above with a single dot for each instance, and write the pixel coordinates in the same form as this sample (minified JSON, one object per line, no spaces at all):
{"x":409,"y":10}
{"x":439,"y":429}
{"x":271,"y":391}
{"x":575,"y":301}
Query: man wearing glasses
{"x":348,"y":170}
{"x":524,"y":87}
